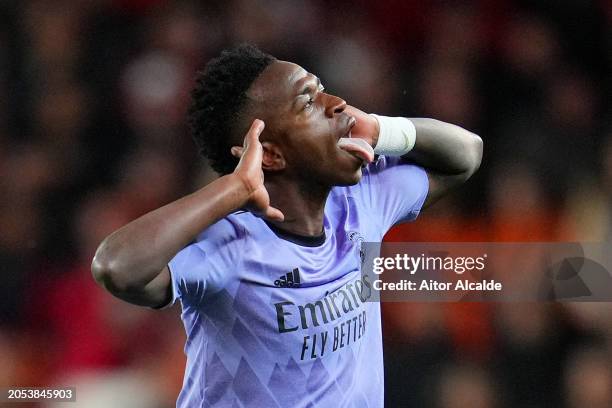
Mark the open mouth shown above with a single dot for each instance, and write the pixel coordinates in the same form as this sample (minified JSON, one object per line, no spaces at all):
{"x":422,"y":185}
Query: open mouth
{"x":355,"y":146}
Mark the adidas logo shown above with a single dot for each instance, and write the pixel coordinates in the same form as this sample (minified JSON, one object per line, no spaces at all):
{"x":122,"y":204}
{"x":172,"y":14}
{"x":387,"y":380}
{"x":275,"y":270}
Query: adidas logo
{"x":290,"y":280}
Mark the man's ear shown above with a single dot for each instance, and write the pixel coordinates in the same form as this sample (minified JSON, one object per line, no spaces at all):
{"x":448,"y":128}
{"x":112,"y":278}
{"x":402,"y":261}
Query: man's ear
{"x":273,"y":159}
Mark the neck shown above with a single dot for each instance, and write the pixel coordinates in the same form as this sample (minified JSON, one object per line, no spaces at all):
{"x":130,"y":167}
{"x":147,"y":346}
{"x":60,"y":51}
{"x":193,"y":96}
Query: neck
{"x":303,"y":205}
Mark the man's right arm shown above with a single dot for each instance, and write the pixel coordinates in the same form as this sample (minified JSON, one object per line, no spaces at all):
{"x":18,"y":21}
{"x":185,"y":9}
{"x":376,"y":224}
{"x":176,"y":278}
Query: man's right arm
{"x":131,"y":263}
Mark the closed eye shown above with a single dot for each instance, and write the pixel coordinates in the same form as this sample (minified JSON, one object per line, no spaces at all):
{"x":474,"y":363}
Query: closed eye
{"x":310,"y":102}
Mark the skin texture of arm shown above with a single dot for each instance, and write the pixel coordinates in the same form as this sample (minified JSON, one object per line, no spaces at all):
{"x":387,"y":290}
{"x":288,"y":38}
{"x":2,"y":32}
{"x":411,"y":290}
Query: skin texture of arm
{"x":131,"y":263}
{"x":449,"y":153}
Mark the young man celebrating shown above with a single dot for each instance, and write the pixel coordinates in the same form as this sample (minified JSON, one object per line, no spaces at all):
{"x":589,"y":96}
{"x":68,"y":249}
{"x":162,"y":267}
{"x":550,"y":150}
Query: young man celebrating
{"x":266,"y":259}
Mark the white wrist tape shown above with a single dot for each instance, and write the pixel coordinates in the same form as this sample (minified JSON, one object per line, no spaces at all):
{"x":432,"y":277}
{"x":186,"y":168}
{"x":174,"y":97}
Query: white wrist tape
{"x":397,"y":136}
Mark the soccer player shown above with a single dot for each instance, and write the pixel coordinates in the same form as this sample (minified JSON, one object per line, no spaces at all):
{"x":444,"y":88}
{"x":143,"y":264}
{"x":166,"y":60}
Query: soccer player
{"x":265,"y":260}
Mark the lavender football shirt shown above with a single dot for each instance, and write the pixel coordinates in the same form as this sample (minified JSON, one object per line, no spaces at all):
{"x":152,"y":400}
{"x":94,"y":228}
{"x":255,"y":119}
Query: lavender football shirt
{"x":272,"y":322}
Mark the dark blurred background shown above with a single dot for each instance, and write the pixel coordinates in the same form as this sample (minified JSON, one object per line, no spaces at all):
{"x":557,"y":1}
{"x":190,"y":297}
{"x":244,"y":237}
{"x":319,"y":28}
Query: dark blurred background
{"x":93,"y":134}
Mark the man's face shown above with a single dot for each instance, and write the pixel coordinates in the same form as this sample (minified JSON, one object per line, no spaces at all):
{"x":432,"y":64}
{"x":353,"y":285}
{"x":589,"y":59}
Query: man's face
{"x":305,"y":124}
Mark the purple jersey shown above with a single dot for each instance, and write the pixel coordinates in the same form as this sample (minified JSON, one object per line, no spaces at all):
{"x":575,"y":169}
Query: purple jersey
{"x":273,"y":320}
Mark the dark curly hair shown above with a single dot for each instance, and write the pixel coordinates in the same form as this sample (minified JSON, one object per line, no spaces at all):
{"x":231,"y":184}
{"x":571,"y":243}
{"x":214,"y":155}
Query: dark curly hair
{"x":219,"y":99}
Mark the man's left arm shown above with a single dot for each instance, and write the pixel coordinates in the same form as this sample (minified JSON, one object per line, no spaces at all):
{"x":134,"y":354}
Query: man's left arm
{"x":449,"y":154}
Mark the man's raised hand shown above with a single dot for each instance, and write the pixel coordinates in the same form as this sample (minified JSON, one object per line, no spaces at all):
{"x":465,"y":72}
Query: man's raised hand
{"x":366,"y":127}
{"x":249,"y":171}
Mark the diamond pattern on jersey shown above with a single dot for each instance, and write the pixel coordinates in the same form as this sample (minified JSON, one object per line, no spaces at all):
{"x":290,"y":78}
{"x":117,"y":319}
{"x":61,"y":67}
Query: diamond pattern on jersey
{"x":217,"y":390}
{"x":249,"y":390}
{"x":319,"y":379}
{"x":232,"y":380}
{"x":285,"y":389}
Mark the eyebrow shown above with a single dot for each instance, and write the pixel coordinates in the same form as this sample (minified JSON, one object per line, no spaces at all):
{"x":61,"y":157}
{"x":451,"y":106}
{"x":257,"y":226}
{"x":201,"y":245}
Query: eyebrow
{"x":308,"y":88}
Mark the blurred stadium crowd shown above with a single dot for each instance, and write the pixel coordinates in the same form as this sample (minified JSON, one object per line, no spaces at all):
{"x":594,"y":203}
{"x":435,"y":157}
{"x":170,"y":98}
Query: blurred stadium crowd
{"x":92,"y":135}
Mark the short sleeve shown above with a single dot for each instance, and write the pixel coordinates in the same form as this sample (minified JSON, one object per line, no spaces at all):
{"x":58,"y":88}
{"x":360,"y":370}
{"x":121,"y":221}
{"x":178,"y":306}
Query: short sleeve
{"x":394,"y":191}
{"x":206,"y":264}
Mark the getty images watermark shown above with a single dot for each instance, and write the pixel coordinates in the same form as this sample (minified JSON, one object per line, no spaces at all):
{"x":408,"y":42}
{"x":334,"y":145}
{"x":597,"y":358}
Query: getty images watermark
{"x":450,"y":272}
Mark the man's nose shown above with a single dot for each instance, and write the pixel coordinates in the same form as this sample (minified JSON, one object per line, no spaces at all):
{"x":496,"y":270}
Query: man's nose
{"x":334,"y":105}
